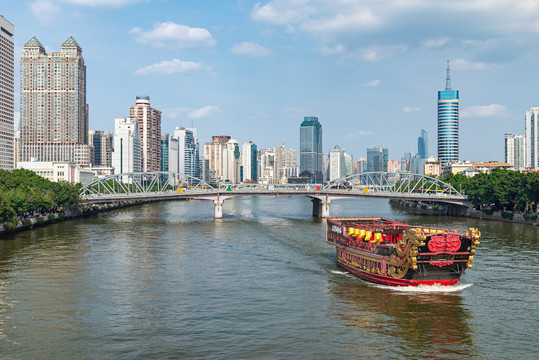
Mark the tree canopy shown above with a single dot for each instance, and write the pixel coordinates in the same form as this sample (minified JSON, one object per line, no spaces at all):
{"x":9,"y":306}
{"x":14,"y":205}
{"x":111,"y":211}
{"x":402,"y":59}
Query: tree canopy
{"x":500,"y":190}
{"x":23,"y":191}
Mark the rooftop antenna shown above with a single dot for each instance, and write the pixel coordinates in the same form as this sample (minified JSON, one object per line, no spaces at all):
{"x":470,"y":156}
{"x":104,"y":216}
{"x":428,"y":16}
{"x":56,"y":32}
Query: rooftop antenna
{"x":448,"y":78}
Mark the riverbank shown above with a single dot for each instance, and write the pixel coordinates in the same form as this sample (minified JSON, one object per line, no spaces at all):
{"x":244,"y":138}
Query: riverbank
{"x":441,"y":210}
{"x":68,"y":213}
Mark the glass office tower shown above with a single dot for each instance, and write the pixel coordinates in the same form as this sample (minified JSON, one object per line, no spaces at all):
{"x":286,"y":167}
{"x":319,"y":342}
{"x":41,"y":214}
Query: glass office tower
{"x":310,"y":143}
{"x":448,"y":124}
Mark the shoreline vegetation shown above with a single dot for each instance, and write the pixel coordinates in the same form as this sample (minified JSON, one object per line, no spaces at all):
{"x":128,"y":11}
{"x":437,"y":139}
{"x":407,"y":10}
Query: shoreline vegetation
{"x":28,"y":200}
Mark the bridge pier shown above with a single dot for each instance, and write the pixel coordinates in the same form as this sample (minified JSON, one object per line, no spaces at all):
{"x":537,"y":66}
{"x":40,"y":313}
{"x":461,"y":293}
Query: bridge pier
{"x":321,"y":206}
{"x":218,"y":206}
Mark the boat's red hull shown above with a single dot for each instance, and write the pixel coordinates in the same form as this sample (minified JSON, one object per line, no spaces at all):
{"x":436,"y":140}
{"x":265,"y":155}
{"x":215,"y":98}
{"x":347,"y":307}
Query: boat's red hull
{"x":387,"y":252}
{"x":386,"y":280}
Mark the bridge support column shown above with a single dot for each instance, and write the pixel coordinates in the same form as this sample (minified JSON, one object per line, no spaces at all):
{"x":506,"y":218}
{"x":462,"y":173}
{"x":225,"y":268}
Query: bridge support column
{"x":218,"y":205}
{"x":321,"y":207}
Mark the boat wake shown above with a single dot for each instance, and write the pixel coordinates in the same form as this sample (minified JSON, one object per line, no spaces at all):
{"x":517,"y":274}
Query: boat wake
{"x":339,"y":272}
{"x":428,"y":288}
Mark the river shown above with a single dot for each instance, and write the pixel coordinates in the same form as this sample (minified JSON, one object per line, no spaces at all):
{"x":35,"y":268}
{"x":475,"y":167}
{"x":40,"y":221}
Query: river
{"x":167,"y":281}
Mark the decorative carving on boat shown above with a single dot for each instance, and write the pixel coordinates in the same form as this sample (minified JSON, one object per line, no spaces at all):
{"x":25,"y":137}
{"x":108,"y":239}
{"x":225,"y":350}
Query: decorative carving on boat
{"x":406,"y":253}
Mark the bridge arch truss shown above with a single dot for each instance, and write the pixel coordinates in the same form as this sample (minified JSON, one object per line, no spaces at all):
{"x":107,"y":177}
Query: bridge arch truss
{"x":393,"y":182}
{"x":142,"y":182}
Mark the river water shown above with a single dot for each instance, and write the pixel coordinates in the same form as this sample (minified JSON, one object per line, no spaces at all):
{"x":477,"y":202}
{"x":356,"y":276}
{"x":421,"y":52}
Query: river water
{"x":167,"y":281}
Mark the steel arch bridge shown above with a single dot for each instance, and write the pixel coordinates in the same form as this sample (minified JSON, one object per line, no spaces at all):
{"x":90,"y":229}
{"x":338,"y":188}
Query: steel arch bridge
{"x":393,"y":182}
{"x":142,"y":182}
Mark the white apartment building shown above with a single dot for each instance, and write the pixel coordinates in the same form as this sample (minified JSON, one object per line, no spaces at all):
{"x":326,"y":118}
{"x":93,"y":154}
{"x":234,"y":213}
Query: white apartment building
{"x":515,"y":150}
{"x":59,"y":171}
{"x":7,"y":60}
{"x":532,"y":138}
{"x":337,"y":167}
{"x":126,"y":157}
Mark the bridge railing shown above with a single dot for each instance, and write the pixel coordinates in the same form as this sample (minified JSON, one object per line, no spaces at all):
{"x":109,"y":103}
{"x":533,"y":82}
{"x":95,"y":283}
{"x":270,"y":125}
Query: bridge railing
{"x":270,"y":187}
{"x":142,"y":182}
{"x":394,"y":182}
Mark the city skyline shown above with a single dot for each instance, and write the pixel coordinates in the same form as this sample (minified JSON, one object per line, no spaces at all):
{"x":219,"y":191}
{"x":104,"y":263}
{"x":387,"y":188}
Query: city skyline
{"x":255,"y":69}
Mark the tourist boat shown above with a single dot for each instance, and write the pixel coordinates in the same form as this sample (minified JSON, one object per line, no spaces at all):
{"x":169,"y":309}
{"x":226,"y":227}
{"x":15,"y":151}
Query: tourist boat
{"x":394,"y":253}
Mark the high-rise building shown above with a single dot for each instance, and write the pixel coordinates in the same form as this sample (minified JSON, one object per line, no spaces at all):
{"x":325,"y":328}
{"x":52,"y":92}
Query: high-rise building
{"x":515,"y":150}
{"x":375,"y":159}
{"x":310,"y":143}
{"x":337,"y":167}
{"x":448,"y":124}
{"x":214,"y":152}
{"x":291,"y":158}
{"x":423,"y":144}
{"x":102,"y":142}
{"x":188,"y":154}
{"x":7,"y":60}
{"x":348,"y":164}
{"x":532,"y":138}
{"x":54,"y":113}
{"x":267,"y":166}
{"x":232,"y":162}
{"x":249,"y":162}
{"x":126,"y":155}
{"x":169,"y":154}
{"x":149,"y":123}
{"x":361,"y":165}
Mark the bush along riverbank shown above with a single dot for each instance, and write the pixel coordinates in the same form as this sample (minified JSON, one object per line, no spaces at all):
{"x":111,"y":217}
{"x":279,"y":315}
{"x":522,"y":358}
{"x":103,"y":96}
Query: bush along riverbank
{"x":420,"y":208}
{"x":486,"y":214}
{"x":37,"y":219}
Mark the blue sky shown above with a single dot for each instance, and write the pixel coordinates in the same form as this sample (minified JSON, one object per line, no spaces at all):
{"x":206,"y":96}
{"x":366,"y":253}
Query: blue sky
{"x":370,"y":70}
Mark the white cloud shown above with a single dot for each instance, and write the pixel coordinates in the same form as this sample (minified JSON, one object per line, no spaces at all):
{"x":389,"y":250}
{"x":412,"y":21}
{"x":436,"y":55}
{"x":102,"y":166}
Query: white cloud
{"x":460,"y":64}
{"x":408,"y":109}
{"x":333,"y":50}
{"x":165,"y":67}
{"x":434,"y":43}
{"x":173,"y":113}
{"x":365,"y":133}
{"x":45,"y":11}
{"x":367,"y":24}
{"x":204,"y":112}
{"x":373,"y":83}
{"x":96,"y":3}
{"x":250,"y":49}
{"x":493,"y":110}
{"x":174,"y":36}
{"x":378,"y":53}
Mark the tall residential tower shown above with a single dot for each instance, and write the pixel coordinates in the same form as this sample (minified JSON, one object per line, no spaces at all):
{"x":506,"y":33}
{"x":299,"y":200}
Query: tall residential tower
{"x":149,"y":123}
{"x":54,"y":113}
{"x":7,"y":59}
{"x":448,"y":124}
{"x":532,"y":138}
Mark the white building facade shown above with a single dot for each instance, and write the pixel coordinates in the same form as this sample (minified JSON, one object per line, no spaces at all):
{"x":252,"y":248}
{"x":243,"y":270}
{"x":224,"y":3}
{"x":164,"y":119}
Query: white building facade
{"x":515,"y":150}
{"x":126,"y":157}
{"x":532,"y":138}
{"x":7,"y":60}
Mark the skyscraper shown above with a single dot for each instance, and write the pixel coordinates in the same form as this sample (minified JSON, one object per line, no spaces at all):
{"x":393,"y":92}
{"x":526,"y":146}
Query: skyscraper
{"x":515,"y":150}
{"x":423,"y":144}
{"x":54,"y":113}
{"x":337,"y":167}
{"x":103,"y":143}
{"x":188,"y":154}
{"x":532,"y":138}
{"x":149,"y":123}
{"x":126,"y":155}
{"x":448,"y":124}
{"x":375,"y":159}
{"x":250,"y":162}
{"x":7,"y":59}
{"x":310,"y":143}
{"x":214,"y":153}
